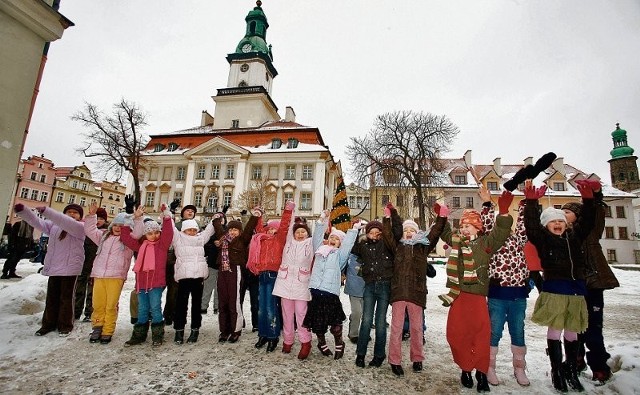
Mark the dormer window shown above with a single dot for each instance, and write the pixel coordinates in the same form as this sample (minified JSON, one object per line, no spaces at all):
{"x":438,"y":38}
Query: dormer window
{"x":460,"y":179}
{"x":292,"y":142}
{"x":492,"y":185}
{"x":158,"y":147}
{"x":558,"y":186}
{"x":172,"y":147}
{"x":276,"y":143}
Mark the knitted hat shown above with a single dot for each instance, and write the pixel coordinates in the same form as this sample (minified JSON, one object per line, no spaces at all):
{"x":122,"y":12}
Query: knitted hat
{"x":152,"y":226}
{"x":102,"y":213}
{"x":471,"y":217}
{"x":273,"y":224}
{"x":575,"y":207}
{"x":338,"y":233}
{"x":551,"y":214}
{"x":189,"y":224}
{"x":188,"y":207}
{"x":302,"y":225}
{"x":235,"y":224}
{"x":122,"y":219}
{"x":411,"y":225}
{"x":74,"y":206}
{"x":373,"y":224}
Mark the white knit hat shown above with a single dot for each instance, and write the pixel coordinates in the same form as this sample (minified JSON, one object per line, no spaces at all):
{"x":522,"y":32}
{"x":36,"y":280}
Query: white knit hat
{"x":151,"y":226}
{"x":189,"y":224}
{"x":337,"y":233}
{"x":410,"y":224}
{"x":551,"y":214}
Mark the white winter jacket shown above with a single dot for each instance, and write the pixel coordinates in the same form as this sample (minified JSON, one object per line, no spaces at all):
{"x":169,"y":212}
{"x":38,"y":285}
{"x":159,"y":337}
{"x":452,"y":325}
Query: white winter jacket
{"x":189,"y":250}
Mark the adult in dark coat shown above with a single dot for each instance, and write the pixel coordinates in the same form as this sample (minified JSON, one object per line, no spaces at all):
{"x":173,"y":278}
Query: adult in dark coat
{"x":20,"y":240}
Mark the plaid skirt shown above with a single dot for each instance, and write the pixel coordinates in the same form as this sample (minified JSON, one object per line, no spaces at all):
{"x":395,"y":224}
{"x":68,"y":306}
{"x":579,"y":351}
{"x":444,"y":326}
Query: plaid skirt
{"x":323,"y":310}
{"x":561,"y":312}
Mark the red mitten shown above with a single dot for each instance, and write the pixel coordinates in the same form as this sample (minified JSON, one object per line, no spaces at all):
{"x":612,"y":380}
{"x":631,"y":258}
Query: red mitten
{"x":443,"y":210}
{"x":504,"y":202}
{"x":18,"y":207}
{"x":585,"y":190}
{"x":541,"y":191}
{"x":530,"y":192}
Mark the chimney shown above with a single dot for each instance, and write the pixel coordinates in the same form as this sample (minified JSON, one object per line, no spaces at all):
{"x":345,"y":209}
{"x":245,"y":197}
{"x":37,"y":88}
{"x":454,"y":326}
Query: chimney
{"x":467,"y":158}
{"x":528,"y":161}
{"x":289,"y":115}
{"x":558,"y":165}
{"x":207,"y":119}
{"x":497,"y":166}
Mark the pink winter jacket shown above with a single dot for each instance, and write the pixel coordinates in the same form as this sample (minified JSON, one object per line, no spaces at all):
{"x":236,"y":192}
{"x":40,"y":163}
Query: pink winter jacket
{"x":64,"y":257}
{"x":113,"y":259}
{"x":157,"y":277}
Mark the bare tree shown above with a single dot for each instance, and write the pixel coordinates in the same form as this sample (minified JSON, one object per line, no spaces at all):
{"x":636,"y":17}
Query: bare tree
{"x":402,"y":149}
{"x":260,"y":193}
{"x":115,"y":140}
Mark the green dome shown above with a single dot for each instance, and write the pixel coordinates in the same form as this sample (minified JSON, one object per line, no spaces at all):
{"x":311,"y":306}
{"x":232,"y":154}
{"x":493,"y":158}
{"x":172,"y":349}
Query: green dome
{"x":255,"y":37}
{"x":620,"y":147}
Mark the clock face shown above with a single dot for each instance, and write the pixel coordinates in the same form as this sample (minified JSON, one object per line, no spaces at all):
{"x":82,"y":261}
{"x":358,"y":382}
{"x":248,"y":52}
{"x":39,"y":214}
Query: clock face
{"x":246,"y":48}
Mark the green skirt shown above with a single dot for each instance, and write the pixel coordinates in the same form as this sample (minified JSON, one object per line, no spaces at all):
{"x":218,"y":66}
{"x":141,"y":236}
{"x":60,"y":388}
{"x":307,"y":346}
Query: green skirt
{"x":561,"y":312}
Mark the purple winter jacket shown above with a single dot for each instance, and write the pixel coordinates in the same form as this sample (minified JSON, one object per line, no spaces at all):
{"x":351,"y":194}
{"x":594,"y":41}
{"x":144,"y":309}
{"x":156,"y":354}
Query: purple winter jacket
{"x":64,"y":257}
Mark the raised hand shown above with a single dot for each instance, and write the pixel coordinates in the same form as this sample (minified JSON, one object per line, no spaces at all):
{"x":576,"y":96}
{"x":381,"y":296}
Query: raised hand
{"x":441,"y":210}
{"x":129,"y":204}
{"x":504,"y":202}
{"x":174,"y":205}
{"x":585,"y":189}
{"x":289,"y":205}
{"x":324,"y":215}
{"x":18,"y":207}
{"x":216,"y":216}
{"x":484,"y":193}
{"x":257,"y":211}
{"x":139,"y":212}
{"x":387,"y":212}
{"x":531,"y":192}
{"x":93,"y":208}
{"x":358,"y":225}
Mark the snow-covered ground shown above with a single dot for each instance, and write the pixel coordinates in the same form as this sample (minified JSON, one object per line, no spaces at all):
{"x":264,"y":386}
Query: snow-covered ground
{"x":72,"y":365}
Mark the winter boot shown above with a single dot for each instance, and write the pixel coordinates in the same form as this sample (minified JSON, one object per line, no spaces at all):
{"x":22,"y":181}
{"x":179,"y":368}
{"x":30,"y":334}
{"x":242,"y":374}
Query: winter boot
{"x":96,"y":332}
{"x":179,"y":338}
{"x":305,"y":350}
{"x":569,"y":368}
{"x":157,"y":334}
{"x":322,"y":346}
{"x":519,"y":365}
{"x":193,"y":337}
{"x":273,"y":343}
{"x":336,"y":331}
{"x":397,"y":370}
{"x":554,"y":350}
{"x":286,"y":348}
{"x":483,"y":384}
{"x":492,"y":378}
{"x":466,"y":380}
{"x":139,"y":335}
{"x":261,"y":342}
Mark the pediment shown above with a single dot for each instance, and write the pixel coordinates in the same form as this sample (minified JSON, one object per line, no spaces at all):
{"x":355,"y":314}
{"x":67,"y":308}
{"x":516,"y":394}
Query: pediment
{"x":216,"y":147}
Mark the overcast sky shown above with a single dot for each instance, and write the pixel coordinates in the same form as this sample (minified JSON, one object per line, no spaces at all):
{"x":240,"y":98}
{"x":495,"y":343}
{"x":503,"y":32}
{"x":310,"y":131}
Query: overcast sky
{"x":519,"y":78}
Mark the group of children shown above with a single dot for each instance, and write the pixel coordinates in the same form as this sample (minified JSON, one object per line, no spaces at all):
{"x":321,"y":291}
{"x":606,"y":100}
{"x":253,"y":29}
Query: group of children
{"x":300,"y":277}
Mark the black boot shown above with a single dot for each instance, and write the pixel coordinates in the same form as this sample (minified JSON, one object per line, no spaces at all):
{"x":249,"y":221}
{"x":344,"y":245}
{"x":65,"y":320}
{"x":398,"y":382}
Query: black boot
{"x":554,"y":350}
{"x":179,"y":338}
{"x":157,"y":334}
{"x":193,"y":337}
{"x":360,"y":361}
{"x":466,"y":379}
{"x":336,"y":331}
{"x":322,"y":346}
{"x":483,"y":383}
{"x":273,"y":343}
{"x":569,"y":368}
{"x":261,"y":342}
{"x":397,"y":370}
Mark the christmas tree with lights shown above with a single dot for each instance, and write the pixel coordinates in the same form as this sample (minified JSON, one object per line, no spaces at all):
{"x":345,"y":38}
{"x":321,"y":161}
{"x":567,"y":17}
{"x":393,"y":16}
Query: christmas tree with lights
{"x":340,"y":213}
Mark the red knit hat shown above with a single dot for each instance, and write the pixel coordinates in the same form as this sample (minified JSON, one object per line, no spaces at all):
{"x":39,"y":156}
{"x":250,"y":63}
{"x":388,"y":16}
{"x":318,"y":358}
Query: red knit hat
{"x":471,"y":217}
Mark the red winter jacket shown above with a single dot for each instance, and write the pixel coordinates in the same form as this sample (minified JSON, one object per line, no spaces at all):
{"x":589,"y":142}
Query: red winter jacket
{"x":271,"y":247}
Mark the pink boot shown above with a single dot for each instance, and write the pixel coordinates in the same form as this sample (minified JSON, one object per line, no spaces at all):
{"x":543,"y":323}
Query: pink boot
{"x":492,"y":378}
{"x":519,"y":364}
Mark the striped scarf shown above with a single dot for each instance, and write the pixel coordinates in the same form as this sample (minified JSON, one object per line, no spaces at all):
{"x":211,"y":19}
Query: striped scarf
{"x":224,"y":246}
{"x":460,"y":247}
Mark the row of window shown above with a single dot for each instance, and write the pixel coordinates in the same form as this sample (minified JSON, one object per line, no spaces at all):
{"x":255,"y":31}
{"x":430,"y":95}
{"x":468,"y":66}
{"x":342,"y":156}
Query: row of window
{"x":276,"y":143}
{"x":456,"y":201}
{"x":213,"y":202}
{"x":358,"y":201}
{"x":34,"y":194}
{"x":72,"y":199}
{"x":34,"y":177}
{"x":623,"y":234}
{"x":215,"y":171}
{"x":75,"y":183}
{"x":620,"y":213}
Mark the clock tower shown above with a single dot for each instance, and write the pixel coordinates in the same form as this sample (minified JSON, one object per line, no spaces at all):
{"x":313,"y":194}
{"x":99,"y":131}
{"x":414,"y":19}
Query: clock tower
{"x":623,"y":163}
{"x":246,"y":101}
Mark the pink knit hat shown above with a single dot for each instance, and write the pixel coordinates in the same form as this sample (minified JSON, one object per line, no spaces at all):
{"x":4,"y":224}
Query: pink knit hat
{"x":338,"y":233}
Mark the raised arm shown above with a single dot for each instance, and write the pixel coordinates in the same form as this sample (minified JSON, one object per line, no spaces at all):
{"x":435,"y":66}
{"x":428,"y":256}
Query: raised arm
{"x":29,"y":216}
{"x":68,"y":224}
